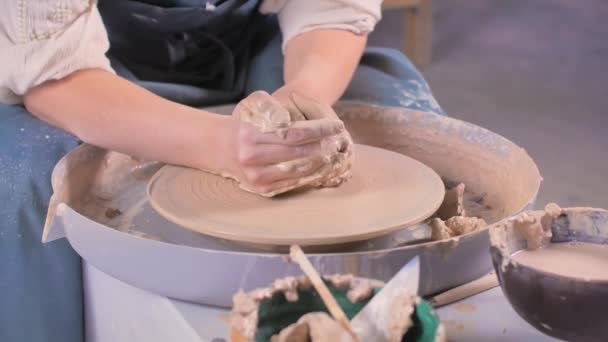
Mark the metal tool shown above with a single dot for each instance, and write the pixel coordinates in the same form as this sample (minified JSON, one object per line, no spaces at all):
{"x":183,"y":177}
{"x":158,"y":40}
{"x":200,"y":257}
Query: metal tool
{"x":373,"y":321}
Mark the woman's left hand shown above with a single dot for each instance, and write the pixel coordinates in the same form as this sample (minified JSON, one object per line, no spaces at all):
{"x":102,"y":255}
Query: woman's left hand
{"x":304,"y":108}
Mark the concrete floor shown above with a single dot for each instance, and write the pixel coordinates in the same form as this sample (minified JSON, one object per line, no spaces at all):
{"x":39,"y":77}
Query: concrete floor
{"x":534,"y":71}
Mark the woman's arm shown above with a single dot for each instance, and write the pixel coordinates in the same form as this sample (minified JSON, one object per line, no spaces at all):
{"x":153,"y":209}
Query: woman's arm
{"x":319,"y":64}
{"x":108,"y":111}
{"x":105,"y":110}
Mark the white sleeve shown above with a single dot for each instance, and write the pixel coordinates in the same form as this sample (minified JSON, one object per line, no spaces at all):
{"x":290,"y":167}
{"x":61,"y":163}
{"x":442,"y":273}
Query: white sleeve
{"x":299,"y":16}
{"x":43,"y":40}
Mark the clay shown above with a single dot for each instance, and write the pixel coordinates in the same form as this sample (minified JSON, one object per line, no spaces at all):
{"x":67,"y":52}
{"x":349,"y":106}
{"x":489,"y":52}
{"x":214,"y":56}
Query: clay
{"x":314,"y":326}
{"x":500,"y":173}
{"x":533,"y":226}
{"x":453,"y":203}
{"x":362,"y":291}
{"x":379,"y":198}
{"x":570,"y":259}
{"x":339,"y":169}
{"x":455,"y":226}
{"x":536,"y":227}
{"x":465,"y":307}
{"x":475,"y":206}
{"x":268,"y":115}
{"x":318,"y":326}
{"x":402,"y":308}
{"x":264,"y":112}
{"x":244,"y":314}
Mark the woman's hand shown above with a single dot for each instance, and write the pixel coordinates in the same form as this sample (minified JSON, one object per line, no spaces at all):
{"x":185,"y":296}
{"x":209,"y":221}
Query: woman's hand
{"x":270,"y":154}
{"x":305,"y":108}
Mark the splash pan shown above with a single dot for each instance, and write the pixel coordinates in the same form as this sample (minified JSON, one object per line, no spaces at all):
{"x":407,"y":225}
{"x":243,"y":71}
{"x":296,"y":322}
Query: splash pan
{"x":100,"y":206}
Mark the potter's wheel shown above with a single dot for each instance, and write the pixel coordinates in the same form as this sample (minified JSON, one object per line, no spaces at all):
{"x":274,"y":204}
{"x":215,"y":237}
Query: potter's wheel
{"x":100,"y":206}
{"x":387,"y":191}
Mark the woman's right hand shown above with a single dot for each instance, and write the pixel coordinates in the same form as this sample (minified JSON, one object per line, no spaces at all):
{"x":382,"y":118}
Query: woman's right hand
{"x":267,"y":160}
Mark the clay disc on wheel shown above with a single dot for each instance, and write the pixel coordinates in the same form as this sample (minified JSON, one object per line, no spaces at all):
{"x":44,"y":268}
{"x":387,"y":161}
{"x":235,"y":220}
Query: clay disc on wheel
{"x":387,"y":191}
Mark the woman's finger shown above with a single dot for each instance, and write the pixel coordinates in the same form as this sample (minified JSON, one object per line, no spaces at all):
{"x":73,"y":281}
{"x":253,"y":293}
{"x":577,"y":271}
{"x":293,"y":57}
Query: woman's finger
{"x":300,"y":133}
{"x":290,"y":184}
{"x":266,"y":154}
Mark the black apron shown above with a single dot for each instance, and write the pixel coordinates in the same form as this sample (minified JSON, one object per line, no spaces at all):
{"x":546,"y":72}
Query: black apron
{"x":191,"y":51}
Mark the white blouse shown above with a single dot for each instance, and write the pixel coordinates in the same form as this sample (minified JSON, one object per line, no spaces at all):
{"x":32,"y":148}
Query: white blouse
{"x":43,"y":40}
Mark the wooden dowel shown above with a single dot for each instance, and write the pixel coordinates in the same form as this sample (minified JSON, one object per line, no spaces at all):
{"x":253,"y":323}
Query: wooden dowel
{"x":297,"y":255}
{"x":464,"y":291}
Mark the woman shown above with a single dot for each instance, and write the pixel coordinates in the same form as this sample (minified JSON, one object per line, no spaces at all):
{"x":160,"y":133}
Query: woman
{"x":131,"y":76}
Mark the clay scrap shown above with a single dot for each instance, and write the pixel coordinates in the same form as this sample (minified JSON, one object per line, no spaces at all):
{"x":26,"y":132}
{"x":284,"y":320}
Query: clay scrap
{"x":270,"y":116}
{"x":451,"y":219}
{"x":454,"y":226}
{"x":534,"y":226}
{"x":318,"y":326}
{"x":244,"y":314}
{"x":314,"y":326}
{"x":453,"y":203}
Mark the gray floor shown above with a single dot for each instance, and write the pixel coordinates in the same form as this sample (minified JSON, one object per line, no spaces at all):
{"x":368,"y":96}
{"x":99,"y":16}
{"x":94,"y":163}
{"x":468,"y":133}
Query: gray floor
{"x":534,"y":71}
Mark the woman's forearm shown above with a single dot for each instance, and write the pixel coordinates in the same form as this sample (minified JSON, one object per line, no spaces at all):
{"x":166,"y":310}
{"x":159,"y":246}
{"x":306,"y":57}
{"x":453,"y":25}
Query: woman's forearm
{"x":320,"y":64}
{"x":108,"y":111}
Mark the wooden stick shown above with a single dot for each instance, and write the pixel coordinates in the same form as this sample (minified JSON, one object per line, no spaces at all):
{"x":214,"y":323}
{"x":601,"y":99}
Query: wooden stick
{"x":297,"y":255}
{"x":464,"y":291}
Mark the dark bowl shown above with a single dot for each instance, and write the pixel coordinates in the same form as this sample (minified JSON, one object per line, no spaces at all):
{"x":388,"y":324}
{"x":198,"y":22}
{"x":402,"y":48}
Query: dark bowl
{"x":568,"y":308}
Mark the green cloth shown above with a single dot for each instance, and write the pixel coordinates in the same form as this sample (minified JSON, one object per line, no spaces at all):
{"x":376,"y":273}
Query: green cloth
{"x":425,"y":325}
{"x":277,"y":313}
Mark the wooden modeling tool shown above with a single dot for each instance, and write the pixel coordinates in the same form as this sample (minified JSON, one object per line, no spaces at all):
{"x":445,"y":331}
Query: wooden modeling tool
{"x":297,"y":255}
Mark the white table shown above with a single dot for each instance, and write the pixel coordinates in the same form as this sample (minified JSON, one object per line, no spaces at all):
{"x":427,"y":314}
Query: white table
{"x":118,"y":312}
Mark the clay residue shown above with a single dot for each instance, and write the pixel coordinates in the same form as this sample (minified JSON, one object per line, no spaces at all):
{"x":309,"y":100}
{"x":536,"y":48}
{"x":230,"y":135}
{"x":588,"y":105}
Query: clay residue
{"x":451,"y":220}
{"x":314,"y":326}
{"x":549,"y":241}
{"x":265,"y":113}
{"x":533,"y":226}
{"x":454,"y":226}
{"x":320,"y":327}
{"x":454,"y":324}
{"x":144,"y":235}
{"x":401,"y":310}
{"x":244,"y":314}
{"x":112,"y":213}
{"x":465,"y":307}
{"x":111,"y":186}
{"x":270,"y":116}
{"x":453,"y":203}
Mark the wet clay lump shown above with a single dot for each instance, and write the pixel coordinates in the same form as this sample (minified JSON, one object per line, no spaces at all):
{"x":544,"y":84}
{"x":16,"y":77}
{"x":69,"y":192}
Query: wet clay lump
{"x":265,"y":113}
{"x":452,"y":219}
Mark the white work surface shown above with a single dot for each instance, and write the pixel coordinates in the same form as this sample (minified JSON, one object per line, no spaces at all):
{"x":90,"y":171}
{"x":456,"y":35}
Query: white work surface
{"x":118,"y":312}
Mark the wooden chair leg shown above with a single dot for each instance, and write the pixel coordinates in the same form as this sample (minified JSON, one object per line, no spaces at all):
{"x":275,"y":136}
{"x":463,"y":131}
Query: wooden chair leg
{"x":419,"y":33}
